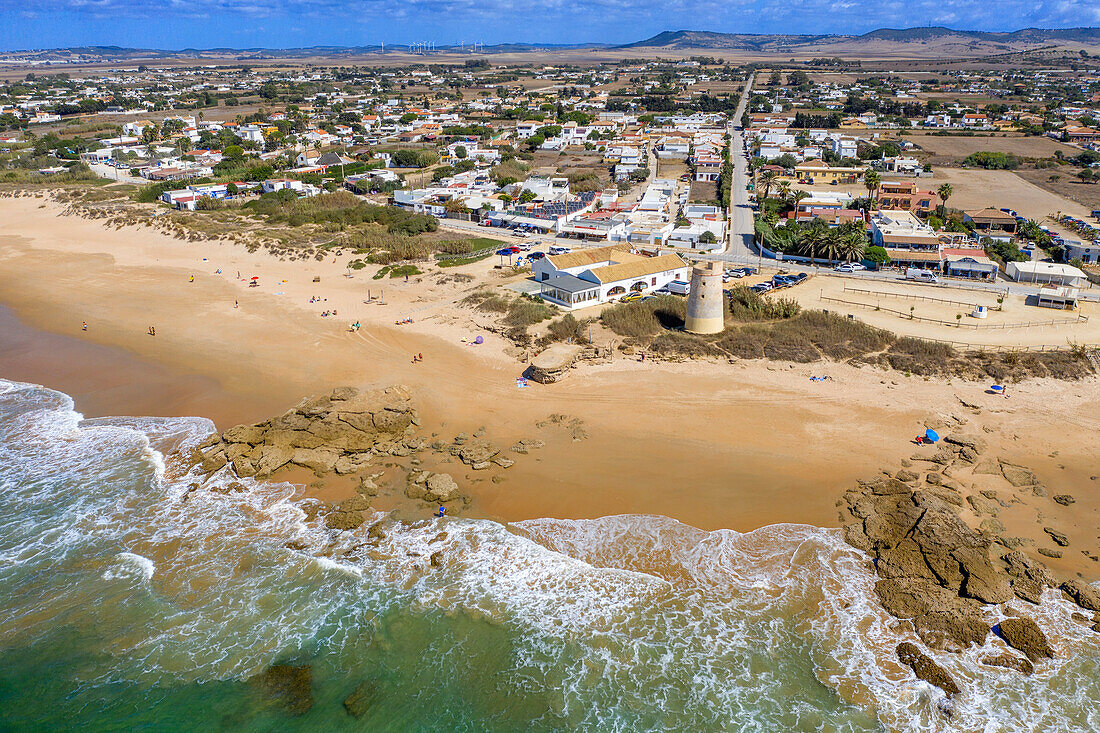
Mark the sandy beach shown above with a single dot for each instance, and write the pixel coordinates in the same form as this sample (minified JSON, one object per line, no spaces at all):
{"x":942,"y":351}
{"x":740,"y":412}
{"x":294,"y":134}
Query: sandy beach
{"x":711,"y":444}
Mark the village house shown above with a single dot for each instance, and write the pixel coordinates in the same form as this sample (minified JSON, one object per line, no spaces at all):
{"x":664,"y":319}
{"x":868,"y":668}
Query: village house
{"x":906,"y":197}
{"x":817,"y":171}
{"x":908,"y":241}
{"x":593,"y":276}
{"x":992,"y":222}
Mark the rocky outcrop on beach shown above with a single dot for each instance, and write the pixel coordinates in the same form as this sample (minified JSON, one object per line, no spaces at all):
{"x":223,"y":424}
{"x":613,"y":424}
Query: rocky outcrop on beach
{"x":551,"y":365}
{"x":943,"y":576}
{"x":934,"y":569}
{"x":335,"y":433}
{"x":366,"y":437}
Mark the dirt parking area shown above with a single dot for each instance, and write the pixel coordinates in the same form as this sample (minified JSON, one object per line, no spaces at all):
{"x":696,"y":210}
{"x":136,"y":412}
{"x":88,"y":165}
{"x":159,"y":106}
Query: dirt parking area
{"x":1062,"y":181}
{"x":976,"y":189}
{"x":943,"y":312}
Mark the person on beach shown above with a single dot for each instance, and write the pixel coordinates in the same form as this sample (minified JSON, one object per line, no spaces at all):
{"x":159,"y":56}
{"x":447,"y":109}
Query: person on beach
{"x":83,"y":325}
{"x":236,"y":304}
{"x":152,"y":331}
{"x":191,"y":279}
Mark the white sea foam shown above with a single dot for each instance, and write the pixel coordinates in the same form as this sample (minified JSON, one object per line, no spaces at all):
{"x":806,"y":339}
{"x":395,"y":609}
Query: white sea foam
{"x":626,"y":623}
{"x":128,"y":564}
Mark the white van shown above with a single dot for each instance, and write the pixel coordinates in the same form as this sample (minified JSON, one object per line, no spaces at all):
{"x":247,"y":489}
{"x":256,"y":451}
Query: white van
{"x":921,"y":276}
{"x":679,"y":287}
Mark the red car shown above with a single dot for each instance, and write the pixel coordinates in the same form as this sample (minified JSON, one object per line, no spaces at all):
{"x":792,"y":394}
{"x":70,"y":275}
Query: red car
{"x":514,"y":250}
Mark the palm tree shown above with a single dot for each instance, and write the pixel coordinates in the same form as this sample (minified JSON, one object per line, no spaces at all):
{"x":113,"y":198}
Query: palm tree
{"x":872,"y":180}
{"x":784,"y":190}
{"x":814,"y":237}
{"x":832,"y":245}
{"x":853,"y":241}
{"x":767,"y":180}
{"x":944,"y":192}
{"x":798,"y":197}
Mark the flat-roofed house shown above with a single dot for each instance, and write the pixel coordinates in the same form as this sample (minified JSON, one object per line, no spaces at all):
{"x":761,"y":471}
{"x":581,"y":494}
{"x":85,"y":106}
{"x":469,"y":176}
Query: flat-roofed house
{"x":1052,"y":273}
{"x":908,"y":241}
{"x":905,"y":196}
{"x":817,"y":171}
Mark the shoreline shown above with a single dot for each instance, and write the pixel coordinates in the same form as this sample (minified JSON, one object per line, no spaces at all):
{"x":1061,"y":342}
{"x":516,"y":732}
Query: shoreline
{"x":712,"y":445}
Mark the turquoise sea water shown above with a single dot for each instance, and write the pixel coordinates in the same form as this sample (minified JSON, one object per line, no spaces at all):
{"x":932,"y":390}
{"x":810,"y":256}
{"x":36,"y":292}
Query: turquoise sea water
{"x":128,"y":602}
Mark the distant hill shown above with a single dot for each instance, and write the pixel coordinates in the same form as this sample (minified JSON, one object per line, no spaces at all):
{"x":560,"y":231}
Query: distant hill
{"x":902,"y":42}
{"x":106,"y":54}
{"x":977,"y":41}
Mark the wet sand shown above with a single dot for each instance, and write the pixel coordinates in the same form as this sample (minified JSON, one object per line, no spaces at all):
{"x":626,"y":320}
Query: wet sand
{"x":108,"y":381}
{"x":711,"y":444}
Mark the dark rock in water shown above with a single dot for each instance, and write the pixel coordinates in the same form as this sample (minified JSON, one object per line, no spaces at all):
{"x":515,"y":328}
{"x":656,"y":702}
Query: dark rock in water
{"x":1083,"y":594}
{"x":1064,"y":499}
{"x":362,"y":697}
{"x":289,"y":686}
{"x":925,"y":668}
{"x":941,"y":618}
{"x":357,"y":503}
{"x":344,"y":521}
{"x":936,"y":570}
{"x":1009,"y":661}
{"x":1024,"y":635}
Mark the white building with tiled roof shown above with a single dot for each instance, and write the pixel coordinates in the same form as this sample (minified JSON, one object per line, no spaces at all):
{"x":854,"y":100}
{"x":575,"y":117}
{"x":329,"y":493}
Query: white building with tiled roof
{"x":593,"y":276}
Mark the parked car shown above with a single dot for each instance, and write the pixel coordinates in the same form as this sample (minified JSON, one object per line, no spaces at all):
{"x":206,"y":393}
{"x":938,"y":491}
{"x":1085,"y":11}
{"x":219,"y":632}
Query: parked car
{"x":762,"y":288}
{"x":514,"y":250}
{"x":536,"y":256}
{"x":558,"y":250}
{"x":849,"y":267}
{"x":630,"y":297}
{"x":519,"y":233}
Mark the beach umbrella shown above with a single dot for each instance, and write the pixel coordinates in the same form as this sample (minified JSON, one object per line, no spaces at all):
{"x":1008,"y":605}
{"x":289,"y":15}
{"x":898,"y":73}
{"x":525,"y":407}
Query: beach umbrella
{"x":479,"y":340}
{"x":931,"y":436}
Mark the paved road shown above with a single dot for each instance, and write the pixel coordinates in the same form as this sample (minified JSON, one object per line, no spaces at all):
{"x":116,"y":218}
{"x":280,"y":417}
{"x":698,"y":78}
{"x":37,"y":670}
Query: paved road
{"x":741,"y":228}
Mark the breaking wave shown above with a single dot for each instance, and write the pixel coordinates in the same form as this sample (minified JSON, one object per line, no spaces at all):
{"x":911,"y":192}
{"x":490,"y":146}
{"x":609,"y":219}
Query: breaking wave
{"x":160,"y":601}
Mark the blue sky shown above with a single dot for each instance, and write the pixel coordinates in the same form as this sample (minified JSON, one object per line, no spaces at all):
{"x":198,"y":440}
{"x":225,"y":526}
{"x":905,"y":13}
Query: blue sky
{"x":175,"y":24}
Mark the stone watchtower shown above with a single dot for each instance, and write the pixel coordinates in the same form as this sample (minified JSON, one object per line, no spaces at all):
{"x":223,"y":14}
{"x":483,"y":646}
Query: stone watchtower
{"x":706,"y":307}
